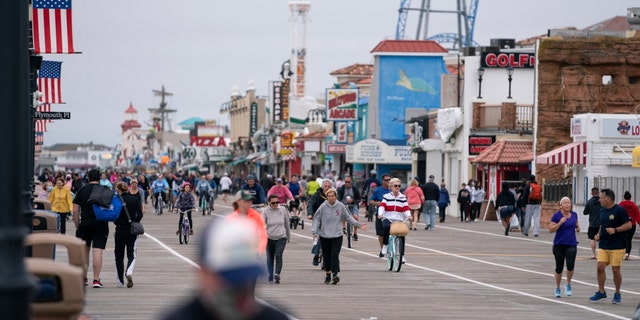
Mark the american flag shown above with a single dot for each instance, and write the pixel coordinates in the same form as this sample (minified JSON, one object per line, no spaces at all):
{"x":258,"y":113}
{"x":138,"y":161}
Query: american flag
{"x":45,"y":108}
{"x":52,"y":26}
{"x":49,"y":82}
{"x":41,"y":126}
{"x":39,"y":138}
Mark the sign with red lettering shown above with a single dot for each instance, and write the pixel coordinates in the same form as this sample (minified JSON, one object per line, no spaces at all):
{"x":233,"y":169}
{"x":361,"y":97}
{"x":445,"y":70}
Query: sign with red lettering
{"x":342,"y":104}
{"x":207,"y":141}
{"x":478,"y":144}
{"x":336,"y":148}
{"x":342,"y":132}
{"x":505,"y":60}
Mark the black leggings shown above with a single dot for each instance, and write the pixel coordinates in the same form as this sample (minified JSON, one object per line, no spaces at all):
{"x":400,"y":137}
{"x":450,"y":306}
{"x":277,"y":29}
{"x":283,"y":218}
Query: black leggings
{"x":562,"y":253}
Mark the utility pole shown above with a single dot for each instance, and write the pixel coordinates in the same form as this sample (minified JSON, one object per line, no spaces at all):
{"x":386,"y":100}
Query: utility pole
{"x":15,"y":285}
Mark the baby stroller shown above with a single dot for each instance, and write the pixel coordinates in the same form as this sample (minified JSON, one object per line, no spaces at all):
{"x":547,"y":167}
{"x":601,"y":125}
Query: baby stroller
{"x":294,"y":215}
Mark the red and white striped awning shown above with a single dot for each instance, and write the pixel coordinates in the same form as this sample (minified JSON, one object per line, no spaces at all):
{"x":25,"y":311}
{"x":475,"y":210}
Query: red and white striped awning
{"x":572,"y":153}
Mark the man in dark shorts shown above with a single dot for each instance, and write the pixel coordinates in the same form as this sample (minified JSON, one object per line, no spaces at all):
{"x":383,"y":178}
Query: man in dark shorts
{"x":93,"y":232}
{"x":376,"y":199}
{"x":592,"y":209}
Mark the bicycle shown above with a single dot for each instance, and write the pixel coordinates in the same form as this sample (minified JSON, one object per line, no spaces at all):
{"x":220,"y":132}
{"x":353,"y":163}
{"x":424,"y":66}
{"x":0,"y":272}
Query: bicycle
{"x":183,"y":232}
{"x":348,"y":232}
{"x":159,"y":204}
{"x":394,"y":248}
{"x":172,"y":200}
{"x":204,"y":205}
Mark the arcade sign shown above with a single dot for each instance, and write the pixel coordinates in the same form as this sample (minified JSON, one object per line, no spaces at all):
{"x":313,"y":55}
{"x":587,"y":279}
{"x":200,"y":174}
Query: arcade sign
{"x":505,"y":60}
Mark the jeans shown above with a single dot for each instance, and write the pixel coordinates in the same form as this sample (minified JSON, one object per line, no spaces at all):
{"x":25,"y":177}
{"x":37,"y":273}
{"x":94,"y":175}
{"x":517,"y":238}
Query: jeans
{"x":331,"y":253}
{"x":521,"y":215}
{"x":443,"y":212}
{"x":275,"y":248}
{"x":430,"y":213}
{"x":532,"y":211}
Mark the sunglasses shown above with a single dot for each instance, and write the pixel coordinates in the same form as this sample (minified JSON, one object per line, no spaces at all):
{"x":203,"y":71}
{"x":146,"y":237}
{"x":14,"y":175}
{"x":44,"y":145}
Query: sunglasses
{"x":347,"y":182}
{"x":397,"y":185}
{"x":386,"y":180}
{"x":273,"y":203}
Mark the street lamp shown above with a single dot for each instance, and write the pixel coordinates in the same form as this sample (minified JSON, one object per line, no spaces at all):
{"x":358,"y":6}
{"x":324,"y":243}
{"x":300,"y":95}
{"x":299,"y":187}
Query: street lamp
{"x":315,"y":115}
{"x":509,"y":74}
{"x":480,"y":74}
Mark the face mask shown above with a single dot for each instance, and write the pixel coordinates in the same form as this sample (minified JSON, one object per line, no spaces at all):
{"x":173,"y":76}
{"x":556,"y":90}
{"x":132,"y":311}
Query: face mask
{"x":49,"y":188}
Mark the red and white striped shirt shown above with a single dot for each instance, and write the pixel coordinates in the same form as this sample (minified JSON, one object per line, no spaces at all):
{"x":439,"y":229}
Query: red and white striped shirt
{"x":394,"y":207}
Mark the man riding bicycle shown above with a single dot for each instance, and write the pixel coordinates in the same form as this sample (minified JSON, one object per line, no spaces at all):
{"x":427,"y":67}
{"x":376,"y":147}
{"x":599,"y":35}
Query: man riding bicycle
{"x":202,"y":190}
{"x":158,"y":186}
{"x":256,"y":191}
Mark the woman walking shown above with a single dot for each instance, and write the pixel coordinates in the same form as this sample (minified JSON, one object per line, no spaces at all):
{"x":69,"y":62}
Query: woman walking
{"x":634,"y":215}
{"x":327,"y":226}
{"x":565,"y":245}
{"x":506,"y":204}
{"x":61,"y":203}
{"x":276,"y":219}
{"x":415,"y":199}
{"x":443,"y":201}
{"x":123,"y":237}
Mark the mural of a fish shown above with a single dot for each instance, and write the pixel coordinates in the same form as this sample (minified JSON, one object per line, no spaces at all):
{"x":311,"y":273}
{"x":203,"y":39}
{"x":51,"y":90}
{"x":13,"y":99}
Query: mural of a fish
{"x":415,"y":84}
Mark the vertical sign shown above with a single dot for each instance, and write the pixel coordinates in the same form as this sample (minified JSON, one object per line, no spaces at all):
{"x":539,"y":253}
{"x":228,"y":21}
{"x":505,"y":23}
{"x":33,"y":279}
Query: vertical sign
{"x":277,"y":101}
{"x":285,"y":100}
{"x":253,"y":120}
{"x":342,"y":104}
{"x":342,"y":132}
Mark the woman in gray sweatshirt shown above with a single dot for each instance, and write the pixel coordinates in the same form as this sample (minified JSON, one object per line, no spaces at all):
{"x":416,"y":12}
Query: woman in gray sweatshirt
{"x":327,"y":225}
{"x":276,"y":219}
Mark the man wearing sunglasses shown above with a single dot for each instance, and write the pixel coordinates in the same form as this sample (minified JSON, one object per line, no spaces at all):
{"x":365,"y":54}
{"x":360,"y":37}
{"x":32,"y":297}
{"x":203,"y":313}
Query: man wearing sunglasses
{"x":375,"y":201}
{"x":350,"y":197}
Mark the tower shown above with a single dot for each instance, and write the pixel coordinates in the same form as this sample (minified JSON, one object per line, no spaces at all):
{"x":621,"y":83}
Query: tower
{"x":299,"y":19}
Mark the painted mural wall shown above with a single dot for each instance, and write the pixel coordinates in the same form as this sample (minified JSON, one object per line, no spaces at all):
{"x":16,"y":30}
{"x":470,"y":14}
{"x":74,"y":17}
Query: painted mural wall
{"x":406,"y":82}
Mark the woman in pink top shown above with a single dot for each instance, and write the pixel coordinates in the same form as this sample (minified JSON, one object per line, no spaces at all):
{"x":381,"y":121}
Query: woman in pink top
{"x":281,"y":191}
{"x":634,"y":216}
{"x":415,"y":199}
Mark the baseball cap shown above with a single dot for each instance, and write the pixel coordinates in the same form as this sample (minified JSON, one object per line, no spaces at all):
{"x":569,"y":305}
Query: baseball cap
{"x":279,"y":180}
{"x":432,"y":177}
{"x":373,"y":172}
{"x":230,"y":249}
{"x":251,"y":177}
{"x":244,"y":195}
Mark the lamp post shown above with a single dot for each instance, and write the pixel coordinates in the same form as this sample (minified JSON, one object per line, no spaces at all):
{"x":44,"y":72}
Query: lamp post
{"x":480,"y":74}
{"x":509,"y":74}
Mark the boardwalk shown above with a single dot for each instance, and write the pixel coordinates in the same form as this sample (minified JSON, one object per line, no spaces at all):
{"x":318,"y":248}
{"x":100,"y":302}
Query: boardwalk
{"x":457,"y":271}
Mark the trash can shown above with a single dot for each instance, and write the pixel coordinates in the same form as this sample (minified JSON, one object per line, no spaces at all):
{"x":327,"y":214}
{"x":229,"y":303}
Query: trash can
{"x":45,"y":222}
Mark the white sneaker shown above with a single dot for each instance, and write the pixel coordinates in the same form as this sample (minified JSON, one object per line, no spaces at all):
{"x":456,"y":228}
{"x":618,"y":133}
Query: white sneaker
{"x":404,"y":260}
{"x":384,"y":249}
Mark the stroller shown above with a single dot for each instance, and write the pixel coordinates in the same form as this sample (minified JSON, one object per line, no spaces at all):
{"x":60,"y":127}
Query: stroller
{"x":294,"y":215}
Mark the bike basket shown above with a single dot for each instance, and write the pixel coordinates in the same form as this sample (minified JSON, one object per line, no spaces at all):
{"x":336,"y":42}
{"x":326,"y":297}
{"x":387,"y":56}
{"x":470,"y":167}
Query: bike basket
{"x":399,"y":228}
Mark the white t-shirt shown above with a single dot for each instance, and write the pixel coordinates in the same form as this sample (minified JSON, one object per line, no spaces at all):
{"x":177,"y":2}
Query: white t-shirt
{"x":225,"y":183}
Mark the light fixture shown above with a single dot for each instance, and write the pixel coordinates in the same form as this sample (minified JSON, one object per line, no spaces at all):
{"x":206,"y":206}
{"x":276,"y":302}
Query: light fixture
{"x":480,"y":74}
{"x":509,"y":74}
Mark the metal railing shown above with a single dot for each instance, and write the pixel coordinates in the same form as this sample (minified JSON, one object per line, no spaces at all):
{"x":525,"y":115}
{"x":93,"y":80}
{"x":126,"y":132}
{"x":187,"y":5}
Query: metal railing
{"x":554,"y":190}
{"x":524,"y":117}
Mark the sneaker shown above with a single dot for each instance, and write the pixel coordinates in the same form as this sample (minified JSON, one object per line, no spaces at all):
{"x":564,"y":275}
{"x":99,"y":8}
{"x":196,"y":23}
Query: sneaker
{"x":381,"y":255}
{"x":384,"y":248}
{"x":270,"y":282}
{"x":506,"y":231}
{"x":276,"y":278}
{"x":97,"y":283}
{"x":557,"y":293}
{"x":567,"y":290}
{"x":129,"y":281}
{"x":475,"y":220}
{"x":404,"y":260}
{"x":315,"y":261}
{"x":86,"y":282}
{"x":336,"y":279}
{"x":616,"y":298}
{"x":120,"y":285}
{"x":535,"y":235}
{"x":327,"y":279}
{"x":355,"y":237}
{"x":598,"y":296}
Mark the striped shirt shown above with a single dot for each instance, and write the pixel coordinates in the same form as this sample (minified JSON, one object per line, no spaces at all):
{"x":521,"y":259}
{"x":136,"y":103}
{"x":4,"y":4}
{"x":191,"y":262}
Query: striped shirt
{"x":394,"y":208}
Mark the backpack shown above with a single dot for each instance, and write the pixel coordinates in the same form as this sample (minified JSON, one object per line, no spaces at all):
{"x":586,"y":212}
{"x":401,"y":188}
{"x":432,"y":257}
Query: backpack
{"x":110,"y":213}
{"x":535,"y":193}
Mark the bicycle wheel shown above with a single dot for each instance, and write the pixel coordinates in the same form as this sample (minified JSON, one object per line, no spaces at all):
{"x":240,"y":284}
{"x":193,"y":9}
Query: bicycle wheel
{"x":180,"y":234}
{"x":348,"y":235}
{"x":397,"y":254}
{"x":160,"y":204}
{"x":185,"y":232}
{"x":389,"y":253}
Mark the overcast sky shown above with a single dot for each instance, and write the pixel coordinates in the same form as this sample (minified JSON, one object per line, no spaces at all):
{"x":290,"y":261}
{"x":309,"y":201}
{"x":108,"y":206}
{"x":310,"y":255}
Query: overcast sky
{"x":200,"y":49}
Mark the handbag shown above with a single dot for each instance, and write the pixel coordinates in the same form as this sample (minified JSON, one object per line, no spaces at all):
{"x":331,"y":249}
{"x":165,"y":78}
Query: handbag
{"x":399,"y":228}
{"x":136,"y":227}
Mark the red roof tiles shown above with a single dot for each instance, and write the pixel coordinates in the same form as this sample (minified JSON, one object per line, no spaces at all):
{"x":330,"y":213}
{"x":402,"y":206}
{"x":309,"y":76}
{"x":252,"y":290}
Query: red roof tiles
{"x":425,"y":46}
{"x":506,"y":152}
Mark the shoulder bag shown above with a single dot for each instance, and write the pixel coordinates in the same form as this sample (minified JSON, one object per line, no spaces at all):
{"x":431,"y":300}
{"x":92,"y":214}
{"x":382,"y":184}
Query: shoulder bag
{"x":136,"y":227}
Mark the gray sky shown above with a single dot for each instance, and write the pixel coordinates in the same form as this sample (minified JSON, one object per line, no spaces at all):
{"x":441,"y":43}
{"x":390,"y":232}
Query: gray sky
{"x":200,"y":49}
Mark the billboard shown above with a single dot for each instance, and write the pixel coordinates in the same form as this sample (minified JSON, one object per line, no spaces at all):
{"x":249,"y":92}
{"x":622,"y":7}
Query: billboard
{"x":406,"y":82}
{"x":342,"y":104}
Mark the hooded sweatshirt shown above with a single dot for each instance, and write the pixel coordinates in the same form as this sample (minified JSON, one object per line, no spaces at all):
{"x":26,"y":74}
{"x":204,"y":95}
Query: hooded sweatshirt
{"x":327,"y":222}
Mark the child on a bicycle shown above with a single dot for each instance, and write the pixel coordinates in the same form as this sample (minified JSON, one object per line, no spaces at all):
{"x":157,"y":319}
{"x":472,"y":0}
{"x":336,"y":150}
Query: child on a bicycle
{"x":185,"y":202}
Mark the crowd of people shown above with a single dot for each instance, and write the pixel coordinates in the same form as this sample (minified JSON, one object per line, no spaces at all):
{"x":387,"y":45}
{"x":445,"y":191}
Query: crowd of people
{"x":331,"y":201}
